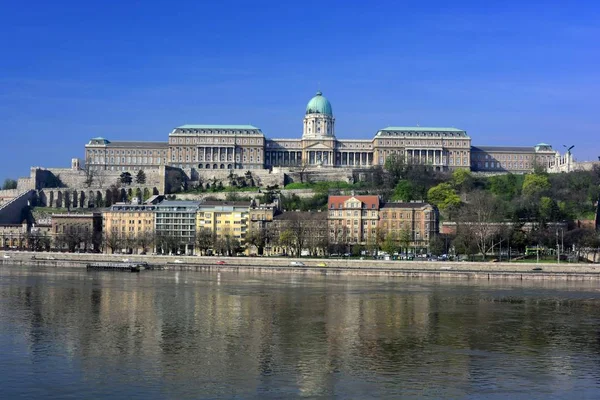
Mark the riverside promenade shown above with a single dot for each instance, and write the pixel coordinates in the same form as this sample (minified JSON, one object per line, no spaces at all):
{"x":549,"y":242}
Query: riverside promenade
{"x":415,"y":269}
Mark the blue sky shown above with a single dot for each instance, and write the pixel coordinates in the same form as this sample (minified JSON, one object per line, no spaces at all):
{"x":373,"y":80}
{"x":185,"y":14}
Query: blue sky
{"x":509,"y":73}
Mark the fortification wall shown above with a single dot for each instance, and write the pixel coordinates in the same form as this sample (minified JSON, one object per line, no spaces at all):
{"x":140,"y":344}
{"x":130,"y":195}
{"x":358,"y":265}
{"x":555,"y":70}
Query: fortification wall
{"x":319,"y":175}
{"x":13,"y":211}
{"x":261,"y":177}
{"x":304,"y":193}
{"x":77,"y":178}
{"x":9,"y":194}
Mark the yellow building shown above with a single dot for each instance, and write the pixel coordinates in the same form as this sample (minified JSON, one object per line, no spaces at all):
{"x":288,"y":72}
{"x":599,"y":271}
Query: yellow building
{"x":223,"y":219}
{"x":129,"y":227}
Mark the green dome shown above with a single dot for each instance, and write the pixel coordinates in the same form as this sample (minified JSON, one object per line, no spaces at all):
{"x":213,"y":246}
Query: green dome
{"x":319,"y":105}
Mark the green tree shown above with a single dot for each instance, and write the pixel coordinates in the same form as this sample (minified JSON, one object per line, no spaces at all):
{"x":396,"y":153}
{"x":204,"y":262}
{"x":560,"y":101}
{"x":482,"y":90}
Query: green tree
{"x":437,"y":245}
{"x":506,"y":186}
{"x":549,"y":210}
{"x":443,"y":196}
{"x":462,"y":179}
{"x":9,"y":184}
{"x":535,"y":184}
{"x":204,"y":240}
{"x":404,"y":191}
{"x":125,"y":178}
{"x":390,"y":243}
{"x":270,"y":194}
{"x":140,"y":178}
{"x":396,"y":166}
{"x":257,"y":238}
{"x":404,"y":238}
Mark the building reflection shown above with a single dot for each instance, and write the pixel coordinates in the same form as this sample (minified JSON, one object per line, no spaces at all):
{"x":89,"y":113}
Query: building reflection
{"x":318,"y":336}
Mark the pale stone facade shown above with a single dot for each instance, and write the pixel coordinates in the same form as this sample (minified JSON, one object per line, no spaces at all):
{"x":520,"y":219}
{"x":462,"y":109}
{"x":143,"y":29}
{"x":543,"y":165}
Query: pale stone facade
{"x":197,"y":148}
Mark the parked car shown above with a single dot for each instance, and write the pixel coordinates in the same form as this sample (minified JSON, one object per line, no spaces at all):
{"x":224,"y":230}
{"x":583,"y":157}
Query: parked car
{"x":178,"y":262}
{"x":296,"y":264}
{"x":322,"y":264}
{"x":220,"y":262}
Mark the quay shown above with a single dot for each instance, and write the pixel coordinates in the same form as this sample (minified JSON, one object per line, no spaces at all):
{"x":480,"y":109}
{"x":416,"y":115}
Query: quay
{"x":411,"y":269}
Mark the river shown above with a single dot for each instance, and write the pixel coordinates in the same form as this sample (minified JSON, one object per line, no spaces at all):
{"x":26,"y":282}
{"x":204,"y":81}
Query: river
{"x":70,"y":333}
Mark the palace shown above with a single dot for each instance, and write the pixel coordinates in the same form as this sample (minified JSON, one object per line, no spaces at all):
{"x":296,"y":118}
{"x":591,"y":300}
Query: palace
{"x":195,"y":148}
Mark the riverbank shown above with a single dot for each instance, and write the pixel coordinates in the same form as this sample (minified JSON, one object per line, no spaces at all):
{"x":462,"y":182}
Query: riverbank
{"x":413,"y":269}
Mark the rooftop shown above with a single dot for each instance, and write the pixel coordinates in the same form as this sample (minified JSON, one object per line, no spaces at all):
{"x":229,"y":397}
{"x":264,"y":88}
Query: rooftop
{"x":421,"y":131}
{"x":224,"y":205}
{"x":370,"y":201}
{"x":503,"y":149}
{"x":405,"y":204}
{"x":179,"y":203}
{"x":130,"y":144}
{"x":212,"y":129}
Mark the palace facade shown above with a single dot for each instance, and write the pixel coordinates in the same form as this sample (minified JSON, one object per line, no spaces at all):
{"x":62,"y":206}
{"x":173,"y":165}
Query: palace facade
{"x":209,"y":147}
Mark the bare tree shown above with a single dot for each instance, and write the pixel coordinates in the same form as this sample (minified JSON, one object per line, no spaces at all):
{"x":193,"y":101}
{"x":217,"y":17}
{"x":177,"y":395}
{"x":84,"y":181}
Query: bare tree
{"x":90,"y":176}
{"x":112,"y":240}
{"x":479,"y":217}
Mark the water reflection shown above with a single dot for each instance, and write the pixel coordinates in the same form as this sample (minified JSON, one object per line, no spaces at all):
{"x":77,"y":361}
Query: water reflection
{"x":191,"y":334}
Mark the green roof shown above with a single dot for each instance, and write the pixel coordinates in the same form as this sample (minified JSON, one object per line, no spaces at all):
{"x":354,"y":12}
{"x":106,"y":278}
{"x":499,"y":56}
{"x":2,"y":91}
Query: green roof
{"x":246,"y":127}
{"x":420,"y":129}
{"x":319,"y":105}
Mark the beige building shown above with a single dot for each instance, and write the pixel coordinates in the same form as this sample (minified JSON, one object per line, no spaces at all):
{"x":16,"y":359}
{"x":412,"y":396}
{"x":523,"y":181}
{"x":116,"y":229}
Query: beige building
{"x":415,"y":223}
{"x":77,"y":231}
{"x":102,"y":154}
{"x":196,"y":148}
{"x":511,"y":158}
{"x":366,"y":219}
{"x":131,"y":224}
{"x":353,"y":219}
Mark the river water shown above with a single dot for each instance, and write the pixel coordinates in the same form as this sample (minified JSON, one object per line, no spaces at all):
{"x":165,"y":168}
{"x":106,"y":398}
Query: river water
{"x":69,"y":333}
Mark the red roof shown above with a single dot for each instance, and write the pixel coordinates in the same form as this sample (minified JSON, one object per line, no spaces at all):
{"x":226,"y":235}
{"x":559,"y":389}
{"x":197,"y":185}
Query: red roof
{"x":371,"y":202}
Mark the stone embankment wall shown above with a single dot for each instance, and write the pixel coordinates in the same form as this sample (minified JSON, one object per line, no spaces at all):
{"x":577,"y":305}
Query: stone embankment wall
{"x":572,"y":272}
{"x":304,"y":193}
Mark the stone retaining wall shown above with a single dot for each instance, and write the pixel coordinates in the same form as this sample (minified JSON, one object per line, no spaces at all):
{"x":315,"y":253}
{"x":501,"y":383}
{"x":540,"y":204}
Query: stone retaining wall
{"x":334,"y":266}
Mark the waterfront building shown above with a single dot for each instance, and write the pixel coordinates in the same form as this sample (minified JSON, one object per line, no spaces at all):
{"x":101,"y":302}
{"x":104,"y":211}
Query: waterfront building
{"x":77,"y":231}
{"x":13,"y":236}
{"x":132,"y":225}
{"x":224,"y":219}
{"x":353,"y":219}
{"x":368,"y":220}
{"x":412,"y":224}
{"x":176,"y":226}
{"x":196,"y":148}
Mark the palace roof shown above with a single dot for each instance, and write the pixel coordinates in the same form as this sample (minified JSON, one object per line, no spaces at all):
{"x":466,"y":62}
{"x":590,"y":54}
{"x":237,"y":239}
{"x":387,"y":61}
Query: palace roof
{"x":421,"y":131}
{"x":218,"y":129}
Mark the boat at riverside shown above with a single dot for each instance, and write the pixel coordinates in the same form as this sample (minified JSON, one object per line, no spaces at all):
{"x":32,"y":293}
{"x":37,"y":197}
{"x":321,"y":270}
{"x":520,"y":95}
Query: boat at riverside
{"x":119,"y":266}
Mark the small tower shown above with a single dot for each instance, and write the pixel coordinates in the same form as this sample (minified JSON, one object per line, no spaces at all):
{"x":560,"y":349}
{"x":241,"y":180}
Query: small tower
{"x":75,"y":164}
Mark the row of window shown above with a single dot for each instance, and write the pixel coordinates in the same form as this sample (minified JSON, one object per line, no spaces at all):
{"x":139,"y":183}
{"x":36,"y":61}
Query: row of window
{"x":176,"y":140}
{"x":422,"y":143}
